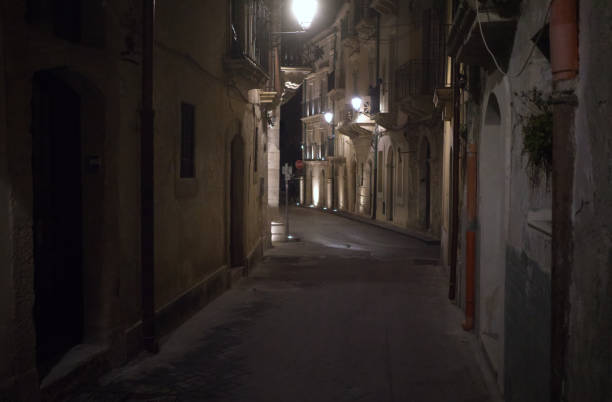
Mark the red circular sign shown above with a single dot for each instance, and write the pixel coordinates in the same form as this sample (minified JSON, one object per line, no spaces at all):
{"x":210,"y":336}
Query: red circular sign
{"x":299,"y":164}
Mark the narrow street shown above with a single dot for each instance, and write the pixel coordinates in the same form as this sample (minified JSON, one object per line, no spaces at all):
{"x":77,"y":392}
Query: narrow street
{"x":351,"y":312}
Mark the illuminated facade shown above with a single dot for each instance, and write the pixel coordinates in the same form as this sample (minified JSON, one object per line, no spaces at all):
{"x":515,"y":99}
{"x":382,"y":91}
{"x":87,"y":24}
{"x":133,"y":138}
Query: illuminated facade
{"x":381,"y":155}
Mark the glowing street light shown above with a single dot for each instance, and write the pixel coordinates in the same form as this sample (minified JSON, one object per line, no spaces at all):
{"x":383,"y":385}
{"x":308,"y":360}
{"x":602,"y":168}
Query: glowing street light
{"x":304,"y":11}
{"x":329,"y":116}
{"x":356,"y":102}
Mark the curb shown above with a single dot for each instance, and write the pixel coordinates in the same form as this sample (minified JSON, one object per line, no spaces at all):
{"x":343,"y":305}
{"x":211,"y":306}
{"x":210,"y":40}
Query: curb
{"x":430,"y":241}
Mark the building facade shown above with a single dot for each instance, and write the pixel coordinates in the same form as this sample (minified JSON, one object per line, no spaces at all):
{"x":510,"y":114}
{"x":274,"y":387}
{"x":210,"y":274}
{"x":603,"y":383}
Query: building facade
{"x":382,"y":156}
{"x":71,"y":195}
{"x":518,"y":179}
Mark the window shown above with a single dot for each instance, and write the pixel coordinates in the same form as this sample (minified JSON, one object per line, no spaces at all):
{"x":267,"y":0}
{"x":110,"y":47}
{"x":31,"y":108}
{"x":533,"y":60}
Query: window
{"x":249,"y":30}
{"x":77,"y":21}
{"x":400,"y":174}
{"x":187,"y":140}
{"x":361,"y":174}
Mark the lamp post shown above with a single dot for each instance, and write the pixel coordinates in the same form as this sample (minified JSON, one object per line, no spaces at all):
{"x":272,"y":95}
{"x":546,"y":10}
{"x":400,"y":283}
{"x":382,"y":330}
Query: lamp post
{"x":329,"y":118}
{"x":304,"y":11}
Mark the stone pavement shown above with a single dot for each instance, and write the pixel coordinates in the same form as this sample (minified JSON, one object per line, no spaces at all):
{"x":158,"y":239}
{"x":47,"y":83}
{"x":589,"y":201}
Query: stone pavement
{"x":352,"y":312}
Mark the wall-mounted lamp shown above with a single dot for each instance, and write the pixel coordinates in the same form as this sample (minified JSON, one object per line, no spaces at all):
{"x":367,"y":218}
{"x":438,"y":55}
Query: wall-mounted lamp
{"x":304,"y":11}
{"x":356,"y":102}
{"x":329,"y":117}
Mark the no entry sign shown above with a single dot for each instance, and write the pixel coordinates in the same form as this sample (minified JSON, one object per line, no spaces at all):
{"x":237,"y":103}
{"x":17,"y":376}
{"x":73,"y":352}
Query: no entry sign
{"x":299,"y":164}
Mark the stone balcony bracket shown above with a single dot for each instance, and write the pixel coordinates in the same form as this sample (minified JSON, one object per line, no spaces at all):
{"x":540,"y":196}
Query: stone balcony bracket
{"x":245,"y":72}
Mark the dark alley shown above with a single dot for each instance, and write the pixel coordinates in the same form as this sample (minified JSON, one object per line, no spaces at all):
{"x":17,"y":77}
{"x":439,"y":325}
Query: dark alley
{"x":351,"y":312}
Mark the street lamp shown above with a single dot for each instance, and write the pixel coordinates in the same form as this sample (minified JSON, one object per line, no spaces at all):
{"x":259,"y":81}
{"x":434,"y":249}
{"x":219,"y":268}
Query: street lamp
{"x":356,"y":102}
{"x":329,"y":116}
{"x":304,"y":11}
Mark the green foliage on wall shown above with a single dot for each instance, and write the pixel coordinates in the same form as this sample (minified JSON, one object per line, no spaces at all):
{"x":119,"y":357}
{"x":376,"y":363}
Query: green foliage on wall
{"x":537,"y":128}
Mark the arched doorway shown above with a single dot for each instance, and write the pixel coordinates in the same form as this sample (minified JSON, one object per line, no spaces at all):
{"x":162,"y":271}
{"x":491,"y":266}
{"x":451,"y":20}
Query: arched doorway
{"x":323,"y":189}
{"x":390,"y":182}
{"x":237,"y":202}
{"x":370,"y":190}
{"x":58,"y":219}
{"x":72,"y":286}
{"x":491,"y":190}
{"x":425,"y":184}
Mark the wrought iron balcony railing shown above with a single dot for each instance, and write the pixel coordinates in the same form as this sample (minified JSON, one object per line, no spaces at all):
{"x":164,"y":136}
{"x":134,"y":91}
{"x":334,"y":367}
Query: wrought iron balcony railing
{"x":419,"y":78}
{"x":315,"y":106}
{"x":298,"y":52}
{"x":250,"y":31}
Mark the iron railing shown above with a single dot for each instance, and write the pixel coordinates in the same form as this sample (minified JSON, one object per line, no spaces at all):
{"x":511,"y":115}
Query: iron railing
{"x":419,"y":77}
{"x":298,"y":52}
{"x":250,"y":30}
{"x":315,"y":106}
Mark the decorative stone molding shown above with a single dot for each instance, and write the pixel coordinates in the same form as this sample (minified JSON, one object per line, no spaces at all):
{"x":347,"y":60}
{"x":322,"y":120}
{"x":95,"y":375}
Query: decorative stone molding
{"x":245,"y":72}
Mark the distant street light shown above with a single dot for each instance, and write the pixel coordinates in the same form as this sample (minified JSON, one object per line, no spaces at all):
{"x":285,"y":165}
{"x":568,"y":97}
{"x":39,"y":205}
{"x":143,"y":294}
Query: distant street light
{"x":356,"y":102}
{"x":329,"y":116}
{"x":304,"y":11}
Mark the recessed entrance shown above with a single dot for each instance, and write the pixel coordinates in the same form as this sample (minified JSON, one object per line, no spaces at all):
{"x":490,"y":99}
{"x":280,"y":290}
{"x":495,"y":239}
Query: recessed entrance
{"x":425,"y":184}
{"x":390,"y":182}
{"x":491,"y":190}
{"x":58,"y":219}
{"x":237,"y":202}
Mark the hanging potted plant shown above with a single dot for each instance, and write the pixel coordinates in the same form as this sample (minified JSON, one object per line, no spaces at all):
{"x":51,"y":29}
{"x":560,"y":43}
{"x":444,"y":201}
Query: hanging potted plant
{"x":537,"y":129}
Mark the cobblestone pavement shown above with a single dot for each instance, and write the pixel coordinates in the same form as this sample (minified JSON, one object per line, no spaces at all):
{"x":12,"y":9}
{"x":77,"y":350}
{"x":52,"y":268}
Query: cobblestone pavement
{"x":352,"y":312}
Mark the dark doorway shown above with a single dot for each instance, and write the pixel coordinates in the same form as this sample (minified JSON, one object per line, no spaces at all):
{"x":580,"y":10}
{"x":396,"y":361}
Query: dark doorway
{"x":390,"y":183}
{"x":58,"y":219}
{"x":425,"y":184}
{"x":237,"y":203}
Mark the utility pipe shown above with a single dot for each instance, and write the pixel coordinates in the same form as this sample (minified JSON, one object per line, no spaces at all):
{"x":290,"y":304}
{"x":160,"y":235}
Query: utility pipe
{"x":564,"y":39}
{"x":376,"y":131}
{"x":564,"y":63}
{"x":147,"y":254}
{"x":470,"y":239}
{"x":455,"y":175}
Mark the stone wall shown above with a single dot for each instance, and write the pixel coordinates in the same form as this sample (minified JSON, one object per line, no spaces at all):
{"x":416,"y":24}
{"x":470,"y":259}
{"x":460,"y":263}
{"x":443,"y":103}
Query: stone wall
{"x":589,"y":353}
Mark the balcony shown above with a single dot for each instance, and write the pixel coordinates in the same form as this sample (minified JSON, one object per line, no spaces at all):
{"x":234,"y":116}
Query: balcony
{"x":498,"y":19}
{"x":296,"y":62}
{"x":416,"y":82}
{"x":364,"y":20}
{"x":249,"y":55}
{"x":315,"y":106}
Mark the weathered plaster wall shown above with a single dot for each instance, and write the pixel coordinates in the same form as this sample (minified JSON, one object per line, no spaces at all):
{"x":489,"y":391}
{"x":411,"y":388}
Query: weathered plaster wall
{"x":192,"y":213}
{"x":93,"y":73}
{"x":527,"y":256}
{"x":589,"y":370}
{"x":493,"y":191}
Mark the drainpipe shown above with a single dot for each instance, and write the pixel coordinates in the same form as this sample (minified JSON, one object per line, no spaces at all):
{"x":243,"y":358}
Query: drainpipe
{"x":375,"y":181}
{"x":455,"y":189}
{"x":470,"y":239}
{"x":376,"y":132}
{"x":564,"y":63}
{"x":147,"y":180}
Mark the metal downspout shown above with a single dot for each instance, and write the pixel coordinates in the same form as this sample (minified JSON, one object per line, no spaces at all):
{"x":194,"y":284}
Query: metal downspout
{"x":564,"y":64}
{"x":455,"y":189}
